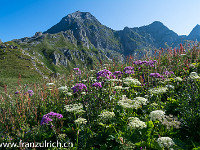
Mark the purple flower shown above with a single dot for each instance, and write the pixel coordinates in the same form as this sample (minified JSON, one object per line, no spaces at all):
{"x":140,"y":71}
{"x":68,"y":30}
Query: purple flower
{"x":78,"y":71}
{"x":154,"y":61}
{"x":47,"y":118}
{"x":79,"y":87}
{"x":138,"y":62}
{"x":104,"y":73}
{"x":51,"y":114}
{"x":147,"y":63}
{"x":97,"y":84}
{"x":156,"y":75}
{"x":30,"y":92}
{"x":59,"y":116}
{"x":167,"y":73}
{"x":118,"y":74}
{"x":129,"y":70}
{"x":113,"y":76}
{"x":17,"y":92}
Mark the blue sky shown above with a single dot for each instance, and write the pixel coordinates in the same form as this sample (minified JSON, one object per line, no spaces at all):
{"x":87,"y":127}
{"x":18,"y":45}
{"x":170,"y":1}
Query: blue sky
{"x":22,"y":18}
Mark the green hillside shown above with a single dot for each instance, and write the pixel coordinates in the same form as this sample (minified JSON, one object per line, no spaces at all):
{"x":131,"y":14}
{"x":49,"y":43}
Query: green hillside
{"x":15,"y":62}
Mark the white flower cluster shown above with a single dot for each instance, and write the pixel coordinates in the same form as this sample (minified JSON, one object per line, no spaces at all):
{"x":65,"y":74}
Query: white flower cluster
{"x":80,"y":121}
{"x":131,"y":81}
{"x":69,"y":94}
{"x":194,"y":76}
{"x":165,"y":142}
{"x":178,"y":79}
{"x":115,"y":80}
{"x":167,"y":80}
{"x":141,"y":100}
{"x":50,"y":84}
{"x":157,"y":115}
{"x":125,"y":102}
{"x":84,"y":80}
{"x":92,"y":70}
{"x":74,"y":108}
{"x":117,"y":87}
{"x":169,"y":86}
{"x":135,"y":123}
{"x":159,"y":90}
{"x":83,"y":93}
{"x":106,"y":115}
{"x":192,"y":66}
{"x":170,"y":121}
{"x":125,"y":88}
{"x":63,"y":88}
{"x":135,"y":103}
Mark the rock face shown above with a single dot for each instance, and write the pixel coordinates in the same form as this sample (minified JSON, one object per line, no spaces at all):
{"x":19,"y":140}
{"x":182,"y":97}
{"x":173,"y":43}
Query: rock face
{"x":38,"y":34}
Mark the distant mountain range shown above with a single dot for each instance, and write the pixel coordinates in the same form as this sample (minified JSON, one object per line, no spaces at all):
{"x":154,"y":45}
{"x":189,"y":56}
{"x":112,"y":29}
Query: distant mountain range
{"x":88,"y":31}
{"x":80,"y":40}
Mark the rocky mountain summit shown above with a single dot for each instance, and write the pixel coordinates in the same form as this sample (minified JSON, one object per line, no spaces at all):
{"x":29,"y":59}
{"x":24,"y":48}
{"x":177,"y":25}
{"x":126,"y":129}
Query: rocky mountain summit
{"x":87,"y":30}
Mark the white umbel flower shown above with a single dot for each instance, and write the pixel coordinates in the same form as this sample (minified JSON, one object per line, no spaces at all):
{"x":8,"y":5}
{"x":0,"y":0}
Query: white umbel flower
{"x":50,"y":84}
{"x":141,"y":100}
{"x":165,"y":142}
{"x":194,"y":76}
{"x":178,"y":79}
{"x":159,"y":90}
{"x":106,"y":115}
{"x":169,"y":86}
{"x":117,"y":87}
{"x":84,"y":80}
{"x":135,"y":103}
{"x":69,"y":94}
{"x":135,"y":123}
{"x":80,"y":121}
{"x":74,"y":108}
{"x":131,"y":81}
{"x":63,"y":88}
{"x":157,"y":115}
{"x":115,"y":80}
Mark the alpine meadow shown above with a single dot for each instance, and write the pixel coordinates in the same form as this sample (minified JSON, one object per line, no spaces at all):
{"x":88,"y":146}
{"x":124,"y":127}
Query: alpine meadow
{"x":82,"y":85}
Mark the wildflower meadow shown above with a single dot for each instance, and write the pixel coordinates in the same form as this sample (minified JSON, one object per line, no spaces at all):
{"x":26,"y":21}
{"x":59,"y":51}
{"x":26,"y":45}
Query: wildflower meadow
{"x":148,"y":104}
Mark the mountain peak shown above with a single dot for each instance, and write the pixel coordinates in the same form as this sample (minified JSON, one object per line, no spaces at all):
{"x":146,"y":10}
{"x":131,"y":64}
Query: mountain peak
{"x":72,"y":20}
{"x":195,"y":33}
{"x":157,"y":24}
{"x":80,"y":15}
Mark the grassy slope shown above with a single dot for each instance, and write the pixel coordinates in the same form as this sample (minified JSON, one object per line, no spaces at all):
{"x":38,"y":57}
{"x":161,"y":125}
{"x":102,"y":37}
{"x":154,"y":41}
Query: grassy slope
{"x":12,"y":63}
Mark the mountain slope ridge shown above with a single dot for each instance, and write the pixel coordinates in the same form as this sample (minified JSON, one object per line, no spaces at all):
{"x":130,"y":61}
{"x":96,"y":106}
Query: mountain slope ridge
{"x":80,"y":40}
